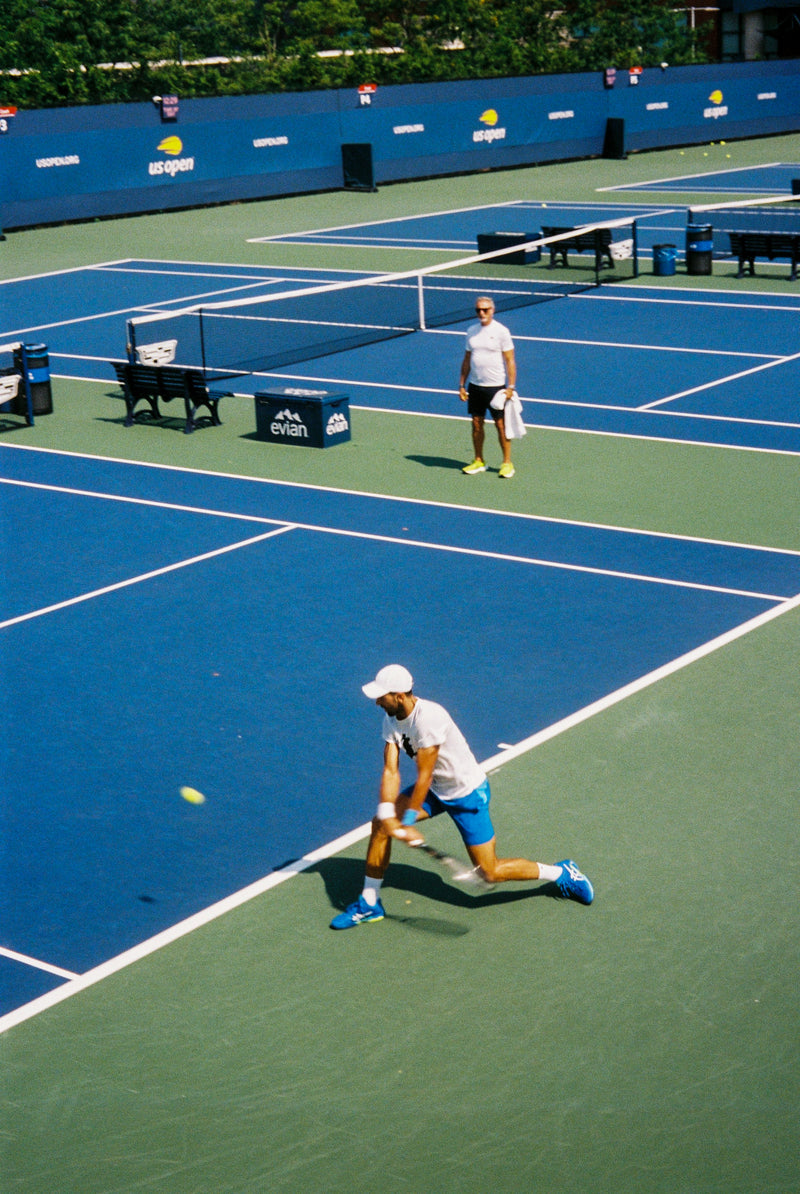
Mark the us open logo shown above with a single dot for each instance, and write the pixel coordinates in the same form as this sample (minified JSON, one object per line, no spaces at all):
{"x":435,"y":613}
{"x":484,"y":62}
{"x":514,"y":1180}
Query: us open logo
{"x":171,"y":146}
{"x":718,"y":109}
{"x":491,"y":132}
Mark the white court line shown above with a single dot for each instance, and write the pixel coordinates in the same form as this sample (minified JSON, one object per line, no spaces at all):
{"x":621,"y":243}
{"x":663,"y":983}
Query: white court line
{"x":522,"y":205}
{"x":394,"y":540}
{"x":58,"y":273}
{"x":361,"y":493}
{"x":604,"y":406}
{"x":37,"y":964}
{"x":425,"y":215}
{"x":663,"y":300}
{"x":643,"y":438}
{"x":158,"y":308}
{"x":721,"y":381}
{"x":630,"y":346}
{"x":493,"y":764}
{"x":135,"y":580}
{"x":683,"y":177}
{"x":532,"y":401}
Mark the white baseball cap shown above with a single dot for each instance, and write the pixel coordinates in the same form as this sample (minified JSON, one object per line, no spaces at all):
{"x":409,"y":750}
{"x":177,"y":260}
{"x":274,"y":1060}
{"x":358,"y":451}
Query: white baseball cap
{"x":392,"y":678}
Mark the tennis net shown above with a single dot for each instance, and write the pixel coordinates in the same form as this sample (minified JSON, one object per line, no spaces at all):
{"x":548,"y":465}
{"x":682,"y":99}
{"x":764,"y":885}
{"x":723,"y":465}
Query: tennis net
{"x":780,"y":213}
{"x":242,"y":336}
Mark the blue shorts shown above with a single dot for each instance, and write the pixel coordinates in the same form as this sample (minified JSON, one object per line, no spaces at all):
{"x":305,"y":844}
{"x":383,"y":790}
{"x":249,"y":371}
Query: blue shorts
{"x":470,"y":813}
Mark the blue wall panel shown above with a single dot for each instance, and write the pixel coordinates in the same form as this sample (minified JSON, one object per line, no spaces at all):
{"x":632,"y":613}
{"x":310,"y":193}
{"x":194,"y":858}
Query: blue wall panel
{"x":73,"y":163}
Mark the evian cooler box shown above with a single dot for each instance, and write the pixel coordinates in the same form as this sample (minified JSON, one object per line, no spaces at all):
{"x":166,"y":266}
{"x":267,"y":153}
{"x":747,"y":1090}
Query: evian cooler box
{"x":302,"y":418}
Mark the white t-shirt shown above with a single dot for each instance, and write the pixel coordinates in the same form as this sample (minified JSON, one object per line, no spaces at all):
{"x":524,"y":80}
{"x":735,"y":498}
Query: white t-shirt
{"x":486,"y":346}
{"x":457,"y":772}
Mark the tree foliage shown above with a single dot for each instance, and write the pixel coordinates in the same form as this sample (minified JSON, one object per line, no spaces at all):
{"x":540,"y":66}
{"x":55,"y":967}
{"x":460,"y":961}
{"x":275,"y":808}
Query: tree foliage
{"x":87,"y":51}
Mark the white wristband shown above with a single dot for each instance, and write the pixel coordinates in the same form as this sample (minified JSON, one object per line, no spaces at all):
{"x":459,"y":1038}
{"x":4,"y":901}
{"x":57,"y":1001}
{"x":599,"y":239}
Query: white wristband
{"x":386,"y":810}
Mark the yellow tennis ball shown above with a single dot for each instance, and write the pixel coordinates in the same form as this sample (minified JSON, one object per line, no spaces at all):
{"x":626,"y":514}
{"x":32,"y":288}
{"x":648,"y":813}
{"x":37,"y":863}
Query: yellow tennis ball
{"x":193,"y":796}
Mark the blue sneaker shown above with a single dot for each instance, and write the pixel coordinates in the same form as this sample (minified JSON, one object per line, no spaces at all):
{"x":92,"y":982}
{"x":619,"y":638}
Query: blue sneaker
{"x":358,"y":913}
{"x":572,"y":884}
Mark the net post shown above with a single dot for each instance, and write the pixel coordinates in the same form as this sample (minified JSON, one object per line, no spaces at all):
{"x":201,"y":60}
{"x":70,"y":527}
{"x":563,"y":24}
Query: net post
{"x":202,"y":340}
{"x":635,"y":250}
{"x":421,"y":303}
{"x":130,"y":343}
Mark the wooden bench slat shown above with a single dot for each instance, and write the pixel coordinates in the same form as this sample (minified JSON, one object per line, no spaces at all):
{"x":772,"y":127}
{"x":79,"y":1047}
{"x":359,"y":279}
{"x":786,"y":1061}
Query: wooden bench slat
{"x":597,"y":242}
{"x":749,"y":245}
{"x":149,"y":383}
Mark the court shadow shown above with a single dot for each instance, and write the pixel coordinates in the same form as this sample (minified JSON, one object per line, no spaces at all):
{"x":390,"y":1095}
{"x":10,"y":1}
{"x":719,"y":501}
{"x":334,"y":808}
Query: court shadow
{"x":6,"y":424}
{"x":343,"y":879}
{"x":436,"y":462}
{"x":165,"y":423}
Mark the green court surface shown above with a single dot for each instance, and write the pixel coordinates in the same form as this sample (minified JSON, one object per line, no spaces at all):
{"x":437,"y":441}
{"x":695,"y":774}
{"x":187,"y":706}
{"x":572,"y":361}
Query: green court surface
{"x":512,"y":1043}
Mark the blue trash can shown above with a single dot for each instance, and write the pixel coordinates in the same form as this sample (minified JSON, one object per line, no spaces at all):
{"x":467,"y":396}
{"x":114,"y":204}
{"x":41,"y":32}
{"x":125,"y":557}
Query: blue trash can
{"x":699,"y":248}
{"x":664,"y":260}
{"x":33,"y":362}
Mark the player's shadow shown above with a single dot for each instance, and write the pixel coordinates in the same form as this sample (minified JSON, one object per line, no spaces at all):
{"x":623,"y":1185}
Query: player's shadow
{"x":344,"y":877}
{"x":436,"y":462}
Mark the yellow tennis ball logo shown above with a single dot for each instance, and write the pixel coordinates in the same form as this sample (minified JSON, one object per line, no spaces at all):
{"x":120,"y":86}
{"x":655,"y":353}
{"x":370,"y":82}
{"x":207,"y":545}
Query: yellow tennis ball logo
{"x":171,"y":145}
{"x":489,"y":117}
{"x":716,"y":97}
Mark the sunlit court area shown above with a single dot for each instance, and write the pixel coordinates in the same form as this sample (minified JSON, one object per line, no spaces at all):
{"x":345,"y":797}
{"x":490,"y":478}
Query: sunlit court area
{"x":232,"y":452}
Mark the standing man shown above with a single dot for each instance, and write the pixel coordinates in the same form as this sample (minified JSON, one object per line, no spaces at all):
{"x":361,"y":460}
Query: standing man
{"x":448,"y":780}
{"x":489,"y":364}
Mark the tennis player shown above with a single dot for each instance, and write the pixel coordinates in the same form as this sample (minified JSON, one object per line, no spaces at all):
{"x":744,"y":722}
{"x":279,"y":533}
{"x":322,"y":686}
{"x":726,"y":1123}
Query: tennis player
{"x":489,"y":364}
{"x":448,"y":780}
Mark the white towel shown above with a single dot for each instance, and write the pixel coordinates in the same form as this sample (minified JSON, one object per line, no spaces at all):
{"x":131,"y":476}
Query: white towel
{"x":512,"y":413}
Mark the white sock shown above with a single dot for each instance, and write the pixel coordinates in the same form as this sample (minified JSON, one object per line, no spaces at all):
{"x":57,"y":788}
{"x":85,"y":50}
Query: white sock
{"x":371,"y":890}
{"x":549,"y":873}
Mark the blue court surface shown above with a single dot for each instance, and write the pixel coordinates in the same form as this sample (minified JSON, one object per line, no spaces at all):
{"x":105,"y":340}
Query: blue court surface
{"x":651,"y":359}
{"x":175,"y":627}
{"x":773,"y":178}
{"x":455,"y":232}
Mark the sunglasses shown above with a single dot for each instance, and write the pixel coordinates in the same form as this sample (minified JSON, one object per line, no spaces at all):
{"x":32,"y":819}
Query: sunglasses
{"x":483,"y":308}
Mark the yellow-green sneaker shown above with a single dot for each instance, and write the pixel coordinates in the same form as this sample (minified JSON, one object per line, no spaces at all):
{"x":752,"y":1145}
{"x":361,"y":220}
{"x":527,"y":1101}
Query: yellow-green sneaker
{"x":507,"y":470}
{"x":477,"y":466}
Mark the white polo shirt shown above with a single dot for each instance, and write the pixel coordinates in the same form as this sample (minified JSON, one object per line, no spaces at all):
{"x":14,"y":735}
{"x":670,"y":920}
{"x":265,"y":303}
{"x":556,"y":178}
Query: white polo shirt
{"x":486,"y":346}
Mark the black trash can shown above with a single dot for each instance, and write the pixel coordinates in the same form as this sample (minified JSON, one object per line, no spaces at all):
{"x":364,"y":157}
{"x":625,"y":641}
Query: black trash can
{"x":302,"y":418}
{"x":699,"y":248}
{"x":32,"y":361}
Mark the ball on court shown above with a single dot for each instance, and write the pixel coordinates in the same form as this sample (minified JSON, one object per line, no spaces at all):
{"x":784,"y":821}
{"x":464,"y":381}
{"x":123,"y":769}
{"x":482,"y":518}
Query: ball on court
{"x":193,"y":796}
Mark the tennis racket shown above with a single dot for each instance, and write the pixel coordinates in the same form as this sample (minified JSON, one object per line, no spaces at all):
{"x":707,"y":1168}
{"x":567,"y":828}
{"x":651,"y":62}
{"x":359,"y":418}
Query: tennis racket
{"x":460,"y":871}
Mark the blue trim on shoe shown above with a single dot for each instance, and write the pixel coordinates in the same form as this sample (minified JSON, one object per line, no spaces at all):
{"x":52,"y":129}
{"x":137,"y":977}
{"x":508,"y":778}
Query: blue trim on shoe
{"x":573,"y":884}
{"x":357,"y":913}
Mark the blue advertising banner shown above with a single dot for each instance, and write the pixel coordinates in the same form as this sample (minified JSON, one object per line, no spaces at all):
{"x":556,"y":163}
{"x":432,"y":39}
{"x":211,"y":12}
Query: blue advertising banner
{"x":78,"y":163}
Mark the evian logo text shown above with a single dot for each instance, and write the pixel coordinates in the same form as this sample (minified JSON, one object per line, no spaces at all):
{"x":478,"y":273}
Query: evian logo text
{"x":288,"y":423}
{"x":336,"y":424}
